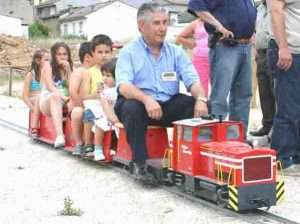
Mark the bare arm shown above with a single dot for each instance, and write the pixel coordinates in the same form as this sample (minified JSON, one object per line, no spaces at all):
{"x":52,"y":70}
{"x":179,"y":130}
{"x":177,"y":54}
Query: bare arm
{"x":209,"y":18}
{"x":108,"y":110}
{"x":26,"y":90}
{"x":74,"y":87}
{"x":186,"y":36}
{"x":47,"y":78}
{"x":285,"y":58}
{"x":278,"y":24}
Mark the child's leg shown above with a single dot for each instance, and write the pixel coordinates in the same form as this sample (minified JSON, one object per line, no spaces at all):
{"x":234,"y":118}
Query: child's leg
{"x":99,"y":135}
{"x":35,"y":113}
{"x":76,"y":119}
{"x":56,"y":108}
{"x":88,"y":134}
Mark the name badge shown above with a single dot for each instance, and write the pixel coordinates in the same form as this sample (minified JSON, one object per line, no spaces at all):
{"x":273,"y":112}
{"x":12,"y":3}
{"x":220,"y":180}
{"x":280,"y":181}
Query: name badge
{"x":169,"y":76}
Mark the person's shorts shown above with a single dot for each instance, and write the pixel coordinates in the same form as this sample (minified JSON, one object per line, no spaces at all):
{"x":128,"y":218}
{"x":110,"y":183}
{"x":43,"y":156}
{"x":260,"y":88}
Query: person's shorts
{"x":88,"y":116}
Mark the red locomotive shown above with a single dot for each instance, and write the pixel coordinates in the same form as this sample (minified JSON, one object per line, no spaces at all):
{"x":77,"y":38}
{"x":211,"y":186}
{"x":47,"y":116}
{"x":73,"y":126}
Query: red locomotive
{"x":208,"y":158}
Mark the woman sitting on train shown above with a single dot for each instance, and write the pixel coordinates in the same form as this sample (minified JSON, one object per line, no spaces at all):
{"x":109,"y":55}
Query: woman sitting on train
{"x":32,"y":88}
{"x":54,"y":94}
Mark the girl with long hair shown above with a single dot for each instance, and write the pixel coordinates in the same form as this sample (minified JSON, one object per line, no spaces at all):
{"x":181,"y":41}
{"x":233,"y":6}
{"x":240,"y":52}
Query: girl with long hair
{"x":32,"y":88}
{"x":54,"y":95}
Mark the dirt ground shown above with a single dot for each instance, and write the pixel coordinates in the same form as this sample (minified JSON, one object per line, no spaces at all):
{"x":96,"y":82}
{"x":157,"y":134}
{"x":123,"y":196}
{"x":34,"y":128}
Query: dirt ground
{"x":35,"y":180}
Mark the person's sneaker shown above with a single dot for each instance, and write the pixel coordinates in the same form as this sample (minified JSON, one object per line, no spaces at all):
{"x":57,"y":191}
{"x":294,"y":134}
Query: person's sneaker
{"x":98,"y":155}
{"x":88,"y":150}
{"x":59,"y":142}
{"x":77,"y":151}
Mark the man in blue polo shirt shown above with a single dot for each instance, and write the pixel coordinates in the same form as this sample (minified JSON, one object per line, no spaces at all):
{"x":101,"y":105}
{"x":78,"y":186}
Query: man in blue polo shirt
{"x":230,"y":25}
{"x":148,"y":72}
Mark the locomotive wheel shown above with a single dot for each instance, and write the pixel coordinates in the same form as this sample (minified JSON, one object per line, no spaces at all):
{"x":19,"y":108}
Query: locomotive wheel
{"x":221,"y":202}
{"x":170,"y":179}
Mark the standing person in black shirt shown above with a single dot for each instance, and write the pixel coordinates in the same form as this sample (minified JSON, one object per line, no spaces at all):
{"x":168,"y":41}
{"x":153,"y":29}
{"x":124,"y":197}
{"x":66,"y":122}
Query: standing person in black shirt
{"x":264,"y":76}
{"x":230,"y":25}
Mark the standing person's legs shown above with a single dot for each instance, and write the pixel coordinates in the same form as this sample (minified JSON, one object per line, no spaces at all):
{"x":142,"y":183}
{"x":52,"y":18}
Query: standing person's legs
{"x":285,"y":137}
{"x":133,"y":115}
{"x":224,"y":63}
{"x":202,"y":66}
{"x":266,"y":93}
{"x":241,"y":92}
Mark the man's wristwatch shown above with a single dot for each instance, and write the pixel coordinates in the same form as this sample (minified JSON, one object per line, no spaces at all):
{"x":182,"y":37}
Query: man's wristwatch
{"x":201,"y":98}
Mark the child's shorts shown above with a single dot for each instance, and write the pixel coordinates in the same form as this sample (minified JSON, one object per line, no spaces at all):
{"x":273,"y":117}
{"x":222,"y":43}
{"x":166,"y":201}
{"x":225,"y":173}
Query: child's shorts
{"x":88,"y":116}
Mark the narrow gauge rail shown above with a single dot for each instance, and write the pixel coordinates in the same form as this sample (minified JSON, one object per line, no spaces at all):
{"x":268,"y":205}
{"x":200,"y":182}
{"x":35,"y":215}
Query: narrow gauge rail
{"x":256,"y":216}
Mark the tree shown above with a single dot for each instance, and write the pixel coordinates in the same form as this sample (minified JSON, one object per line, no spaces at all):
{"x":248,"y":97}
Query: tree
{"x":38,"y":29}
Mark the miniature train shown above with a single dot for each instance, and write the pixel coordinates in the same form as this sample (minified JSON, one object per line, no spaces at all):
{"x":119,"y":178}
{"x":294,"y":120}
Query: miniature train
{"x":207,"y":158}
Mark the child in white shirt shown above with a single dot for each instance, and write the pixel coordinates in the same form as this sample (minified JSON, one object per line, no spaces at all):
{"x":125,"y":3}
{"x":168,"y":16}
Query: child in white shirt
{"x":106,"y":117}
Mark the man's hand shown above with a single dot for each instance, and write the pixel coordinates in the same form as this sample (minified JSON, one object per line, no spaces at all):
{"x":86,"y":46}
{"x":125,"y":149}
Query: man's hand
{"x":225,"y":33}
{"x":200,"y":108}
{"x":153,"y":108}
{"x":285,"y":58}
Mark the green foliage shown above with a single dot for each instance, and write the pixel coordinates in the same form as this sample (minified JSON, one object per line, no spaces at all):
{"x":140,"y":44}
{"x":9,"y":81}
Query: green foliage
{"x":68,"y":208}
{"x":38,"y":29}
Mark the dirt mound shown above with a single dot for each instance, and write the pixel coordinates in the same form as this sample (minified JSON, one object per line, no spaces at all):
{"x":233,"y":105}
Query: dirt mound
{"x":15,"y":51}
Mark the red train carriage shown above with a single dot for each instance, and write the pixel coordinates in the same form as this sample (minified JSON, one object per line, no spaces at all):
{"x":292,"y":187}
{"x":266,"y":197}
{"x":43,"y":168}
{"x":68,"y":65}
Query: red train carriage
{"x":207,"y":158}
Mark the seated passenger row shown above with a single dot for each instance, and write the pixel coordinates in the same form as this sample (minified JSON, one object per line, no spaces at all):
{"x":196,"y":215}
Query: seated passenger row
{"x":87,"y":94}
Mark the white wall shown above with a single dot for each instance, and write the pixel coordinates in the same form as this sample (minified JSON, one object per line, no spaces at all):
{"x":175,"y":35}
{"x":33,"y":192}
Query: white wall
{"x":11,"y":26}
{"x":116,"y":20}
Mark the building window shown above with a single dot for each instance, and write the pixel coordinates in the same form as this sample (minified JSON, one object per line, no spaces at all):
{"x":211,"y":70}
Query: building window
{"x":65,"y":29}
{"x":74,"y":28}
{"x":80,"y":27}
{"x":52,"y":11}
{"x":173,"y":18}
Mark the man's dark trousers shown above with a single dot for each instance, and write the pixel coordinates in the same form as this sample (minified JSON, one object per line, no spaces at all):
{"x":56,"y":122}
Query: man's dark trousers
{"x":266,"y":90}
{"x":286,"y":126}
{"x":133,"y":115}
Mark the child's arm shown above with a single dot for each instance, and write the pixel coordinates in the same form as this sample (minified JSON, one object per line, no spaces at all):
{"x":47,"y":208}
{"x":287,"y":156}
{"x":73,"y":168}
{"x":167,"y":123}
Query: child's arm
{"x":108,"y":110}
{"x":26,"y":90}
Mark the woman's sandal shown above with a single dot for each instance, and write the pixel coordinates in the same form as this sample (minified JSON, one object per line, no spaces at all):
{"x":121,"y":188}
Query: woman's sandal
{"x":34,"y":133}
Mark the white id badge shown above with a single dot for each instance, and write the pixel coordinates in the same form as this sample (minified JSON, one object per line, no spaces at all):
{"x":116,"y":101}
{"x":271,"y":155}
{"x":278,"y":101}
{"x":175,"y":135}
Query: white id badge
{"x":169,"y":76}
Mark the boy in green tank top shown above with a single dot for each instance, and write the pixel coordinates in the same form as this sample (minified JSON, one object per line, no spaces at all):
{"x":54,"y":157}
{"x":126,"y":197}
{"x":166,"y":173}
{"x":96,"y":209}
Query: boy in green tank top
{"x":101,"y":52}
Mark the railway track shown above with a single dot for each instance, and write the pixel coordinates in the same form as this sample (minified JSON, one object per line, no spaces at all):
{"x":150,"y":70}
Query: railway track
{"x":257,"y":216}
